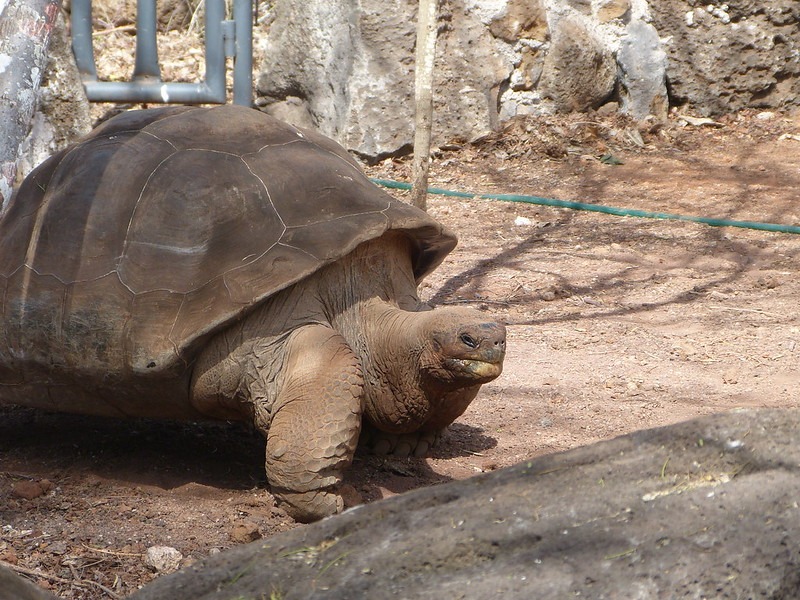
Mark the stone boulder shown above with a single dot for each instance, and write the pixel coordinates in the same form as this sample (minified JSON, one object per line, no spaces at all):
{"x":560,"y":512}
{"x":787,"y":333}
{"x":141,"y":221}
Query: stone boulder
{"x":579,"y":72}
{"x":62,"y":114}
{"x":14,"y":587}
{"x":643,"y":67}
{"x":346,"y":67}
{"x":725,"y":57}
{"x":703,"y":509}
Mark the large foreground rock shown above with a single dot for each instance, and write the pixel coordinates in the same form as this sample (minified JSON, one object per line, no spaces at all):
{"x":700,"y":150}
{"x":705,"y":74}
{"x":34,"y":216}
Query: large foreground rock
{"x":14,"y":587}
{"x":703,"y":509}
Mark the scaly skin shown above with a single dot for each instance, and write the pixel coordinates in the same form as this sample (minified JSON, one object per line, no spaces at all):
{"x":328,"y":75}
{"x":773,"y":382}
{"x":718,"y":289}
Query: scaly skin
{"x":433,"y":375}
{"x":316,"y":419}
{"x":351,"y":342}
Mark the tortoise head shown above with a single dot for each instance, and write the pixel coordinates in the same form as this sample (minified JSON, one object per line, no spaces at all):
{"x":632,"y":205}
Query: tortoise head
{"x":462,"y":348}
{"x":438,"y":359}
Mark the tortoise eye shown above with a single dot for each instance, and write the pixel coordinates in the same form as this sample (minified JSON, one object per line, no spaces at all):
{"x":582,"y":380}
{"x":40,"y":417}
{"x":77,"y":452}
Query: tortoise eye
{"x":468,"y":340}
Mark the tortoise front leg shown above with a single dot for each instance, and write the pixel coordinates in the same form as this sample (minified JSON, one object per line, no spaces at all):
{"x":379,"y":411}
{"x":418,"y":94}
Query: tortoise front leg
{"x":314,"y":423}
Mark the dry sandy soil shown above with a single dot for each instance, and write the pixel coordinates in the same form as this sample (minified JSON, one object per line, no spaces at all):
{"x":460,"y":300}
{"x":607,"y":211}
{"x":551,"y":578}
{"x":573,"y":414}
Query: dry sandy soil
{"x":615,"y":324}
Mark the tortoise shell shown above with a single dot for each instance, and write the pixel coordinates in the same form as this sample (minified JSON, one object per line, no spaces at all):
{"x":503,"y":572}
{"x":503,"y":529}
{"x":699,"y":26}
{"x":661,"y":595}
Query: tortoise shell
{"x":121,"y":254}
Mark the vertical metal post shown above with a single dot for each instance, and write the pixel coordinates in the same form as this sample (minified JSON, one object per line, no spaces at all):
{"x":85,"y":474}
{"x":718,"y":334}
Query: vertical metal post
{"x":215,"y":48}
{"x":146,"y":65}
{"x":243,"y":60}
{"x":82,"y":48}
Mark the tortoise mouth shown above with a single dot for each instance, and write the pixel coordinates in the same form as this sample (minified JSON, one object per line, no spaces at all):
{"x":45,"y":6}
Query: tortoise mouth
{"x":474,"y":370}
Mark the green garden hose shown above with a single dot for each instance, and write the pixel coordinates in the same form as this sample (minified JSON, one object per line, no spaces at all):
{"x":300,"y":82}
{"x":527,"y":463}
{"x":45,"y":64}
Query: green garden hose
{"x":609,"y":210}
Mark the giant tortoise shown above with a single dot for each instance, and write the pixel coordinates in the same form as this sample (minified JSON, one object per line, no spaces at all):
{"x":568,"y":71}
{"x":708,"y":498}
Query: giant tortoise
{"x":189,"y":263}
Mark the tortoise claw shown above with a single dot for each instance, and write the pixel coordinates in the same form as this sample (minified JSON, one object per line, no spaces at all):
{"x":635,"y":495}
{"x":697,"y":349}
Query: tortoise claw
{"x":400,"y":445}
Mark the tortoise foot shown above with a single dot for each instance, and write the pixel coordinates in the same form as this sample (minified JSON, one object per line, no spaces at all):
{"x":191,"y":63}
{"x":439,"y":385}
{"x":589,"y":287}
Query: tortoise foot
{"x":400,"y":445}
{"x":307,"y":507}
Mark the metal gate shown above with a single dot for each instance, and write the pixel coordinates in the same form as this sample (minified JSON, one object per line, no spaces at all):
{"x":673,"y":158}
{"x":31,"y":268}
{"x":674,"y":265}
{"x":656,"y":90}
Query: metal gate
{"x":223,"y":39}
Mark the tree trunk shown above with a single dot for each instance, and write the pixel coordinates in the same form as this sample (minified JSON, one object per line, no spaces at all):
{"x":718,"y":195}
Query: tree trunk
{"x":25,"y":27}
{"x":423,"y":97}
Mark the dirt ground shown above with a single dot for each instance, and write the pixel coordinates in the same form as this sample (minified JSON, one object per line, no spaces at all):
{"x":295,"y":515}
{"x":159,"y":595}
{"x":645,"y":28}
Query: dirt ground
{"x":615,"y":324}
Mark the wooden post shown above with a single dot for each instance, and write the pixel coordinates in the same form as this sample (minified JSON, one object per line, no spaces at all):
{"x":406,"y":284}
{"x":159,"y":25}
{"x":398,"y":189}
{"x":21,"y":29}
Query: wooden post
{"x":25,"y":27}
{"x":423,"y":99}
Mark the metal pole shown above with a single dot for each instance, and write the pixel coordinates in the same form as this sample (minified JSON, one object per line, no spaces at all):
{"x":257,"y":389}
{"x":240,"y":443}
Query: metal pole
{"x":243,"y":59}
{"x":82,"y":48}
{"x":215,"y":49}
{"x":25,"y":27}
{"x":146,"y":65}
{"x":423,"y":97}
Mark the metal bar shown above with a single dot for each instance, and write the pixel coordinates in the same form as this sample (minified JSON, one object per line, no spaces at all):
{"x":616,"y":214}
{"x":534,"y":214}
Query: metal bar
{"x":147,"y":85}
{"x":243,"y":60}
{"x":82,"y":48}
{"x":146,"y":65}
{"x":229,"y":38}
{"x":215,"y":50}
{"x":153,"y":92}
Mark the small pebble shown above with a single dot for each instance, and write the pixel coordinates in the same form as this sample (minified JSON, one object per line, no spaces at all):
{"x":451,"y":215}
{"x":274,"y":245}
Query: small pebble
{"x":522,"y":222}
{"x":30,"y":490}
{"x":163,"y":559}
{"x":244,"y":532}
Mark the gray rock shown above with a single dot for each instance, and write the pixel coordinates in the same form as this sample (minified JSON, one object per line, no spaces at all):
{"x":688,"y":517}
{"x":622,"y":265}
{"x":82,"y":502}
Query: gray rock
{"x":643,"y":63}
{"x":354,"y":76}
{"x":707,"y":508}
{"x":14,"y":587}
{"x":579,"y":70}
{"x":725,"y":57}
{"x":162,"y":559}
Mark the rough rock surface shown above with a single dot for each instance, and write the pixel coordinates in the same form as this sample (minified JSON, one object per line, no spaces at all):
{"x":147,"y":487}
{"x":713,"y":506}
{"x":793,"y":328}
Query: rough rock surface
{"x":353,"y":78}
{"x":706,"y":508}
{"x":14,"y":587}
{"x":62,"y":114}
{"x":643,"y":63}
{"x":579,"y":71}
{"x":163,"y":559}
{"x":725,"y":57}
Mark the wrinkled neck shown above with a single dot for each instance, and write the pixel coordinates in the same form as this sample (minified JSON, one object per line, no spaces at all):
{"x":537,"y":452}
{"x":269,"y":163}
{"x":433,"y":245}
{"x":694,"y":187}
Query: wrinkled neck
{"x":394,"y":399}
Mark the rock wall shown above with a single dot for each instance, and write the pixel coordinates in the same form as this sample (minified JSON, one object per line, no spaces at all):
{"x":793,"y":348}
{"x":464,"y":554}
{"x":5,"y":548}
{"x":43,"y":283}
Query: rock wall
{"x":346,"y":66}
{"x":725,"y":57}
{"x":62,"y":114}
{"x":353,"y":77}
